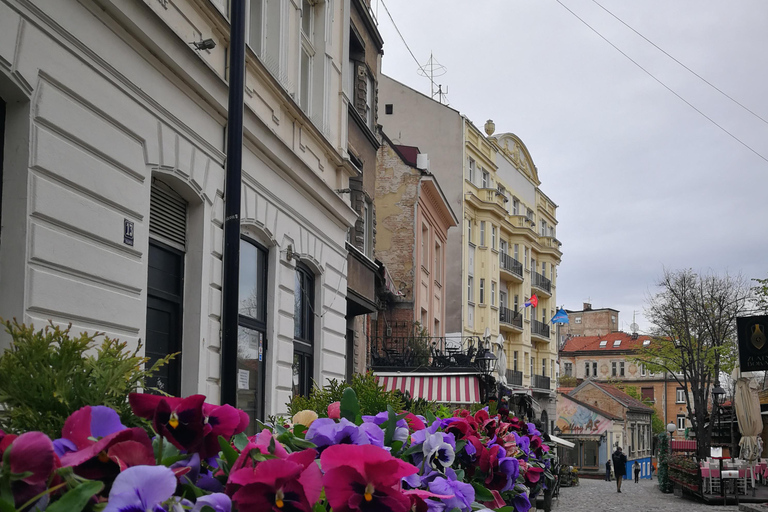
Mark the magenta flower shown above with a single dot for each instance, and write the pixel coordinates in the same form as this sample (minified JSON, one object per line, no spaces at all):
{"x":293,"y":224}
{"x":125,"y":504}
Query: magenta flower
{"x":105,"y":458}
{"x":292,"y":484}
{"x":90,"y":423}
{"x":180,"y":420}
{"x":220,"y":420}
{"x":31,"y":452}
{"x":364,"y":478}
{"x":334,"y":411}
{"x":259,"y":443}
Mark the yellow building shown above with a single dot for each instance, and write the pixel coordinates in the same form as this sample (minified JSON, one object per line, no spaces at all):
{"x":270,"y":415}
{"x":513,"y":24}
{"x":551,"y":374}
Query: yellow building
{"x":511,"y":254}
{"x":505,"y":251}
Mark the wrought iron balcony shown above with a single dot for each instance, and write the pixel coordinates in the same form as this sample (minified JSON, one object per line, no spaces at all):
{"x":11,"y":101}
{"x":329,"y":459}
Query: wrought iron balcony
{"x":541,"y":282}
{"x":509,"y":264}
{"x":540,"y":382}
{"x":511,"y":317}
{"x":514,"y":378}
{"x":425,"y":353}
{"x":539,"y":329}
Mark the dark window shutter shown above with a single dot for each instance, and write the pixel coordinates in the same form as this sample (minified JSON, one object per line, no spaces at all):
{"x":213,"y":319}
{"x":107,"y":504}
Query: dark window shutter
{"x":168,"y":215}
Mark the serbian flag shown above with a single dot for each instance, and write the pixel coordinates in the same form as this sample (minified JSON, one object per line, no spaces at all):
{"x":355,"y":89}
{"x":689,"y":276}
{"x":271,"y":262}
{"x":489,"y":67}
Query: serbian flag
{"x":561,"y":317}
{"x":533,"y":301}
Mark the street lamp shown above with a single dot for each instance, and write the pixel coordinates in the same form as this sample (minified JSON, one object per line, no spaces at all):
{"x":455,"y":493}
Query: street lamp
{"x":718,"y":397}
{"x":486,"y":361}
{"x":671,"y":427}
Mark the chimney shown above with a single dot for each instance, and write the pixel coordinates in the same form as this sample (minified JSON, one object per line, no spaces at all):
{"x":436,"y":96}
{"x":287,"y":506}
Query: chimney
{"x":587,"y":306}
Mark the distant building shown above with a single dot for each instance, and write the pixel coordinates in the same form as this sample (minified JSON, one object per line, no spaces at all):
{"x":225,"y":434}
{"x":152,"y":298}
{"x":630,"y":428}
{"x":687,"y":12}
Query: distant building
{"x":591,"y":322}
{"x":413,"y":223}
{"x":506,"y":250}
{"x":629,"y":427}
{"x":608,"y":358}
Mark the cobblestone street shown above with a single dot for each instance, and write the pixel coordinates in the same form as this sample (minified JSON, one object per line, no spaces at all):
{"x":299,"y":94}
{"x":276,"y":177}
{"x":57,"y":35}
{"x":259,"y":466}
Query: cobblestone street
{"x":599,"y":495}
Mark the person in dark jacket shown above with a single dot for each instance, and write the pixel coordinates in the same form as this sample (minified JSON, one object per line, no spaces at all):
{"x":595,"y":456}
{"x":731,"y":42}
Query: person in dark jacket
{"x":619,"y":467}
{"x":608,"y":470}
{"x":637,"y":471}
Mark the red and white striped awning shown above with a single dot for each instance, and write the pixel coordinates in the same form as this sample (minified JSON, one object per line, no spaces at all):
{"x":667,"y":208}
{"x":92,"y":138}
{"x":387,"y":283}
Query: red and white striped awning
{"x":448,"y":389}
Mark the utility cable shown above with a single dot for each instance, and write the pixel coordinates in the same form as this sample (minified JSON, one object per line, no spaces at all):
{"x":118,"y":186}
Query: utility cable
{"x":683,"y":65}
{"x":408,"y":47}
{"x":734,"y":137}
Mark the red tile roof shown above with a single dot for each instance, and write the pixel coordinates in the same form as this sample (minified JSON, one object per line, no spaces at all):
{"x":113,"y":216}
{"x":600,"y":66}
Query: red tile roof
{"x":606,"y":414}
{"x":621,"y":396}
{"x":592,"y":343}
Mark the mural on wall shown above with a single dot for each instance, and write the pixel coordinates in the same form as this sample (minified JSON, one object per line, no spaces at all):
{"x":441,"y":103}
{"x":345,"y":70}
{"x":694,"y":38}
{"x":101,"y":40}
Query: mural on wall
{"x":576,"y":419}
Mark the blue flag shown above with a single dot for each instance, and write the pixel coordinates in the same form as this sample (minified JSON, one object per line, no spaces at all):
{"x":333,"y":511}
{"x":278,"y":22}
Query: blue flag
{"x":561,"y":317}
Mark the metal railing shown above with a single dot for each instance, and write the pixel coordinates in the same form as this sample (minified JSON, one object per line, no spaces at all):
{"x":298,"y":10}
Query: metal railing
{"x":425,"y":352}
{"x":539,"y":328}
{"x":511,"y":265}
{"x":514,"y":377}
{"x":510,"y":317}
{"x":540,"y":382}
{"x":541,"y":282}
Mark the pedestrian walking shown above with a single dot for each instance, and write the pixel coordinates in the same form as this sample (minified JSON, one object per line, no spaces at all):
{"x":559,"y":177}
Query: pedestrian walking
{"x":608,"y":470}
{"x":619,"y":467}
{"x":637,"y":472}
{"x":653,"y":468}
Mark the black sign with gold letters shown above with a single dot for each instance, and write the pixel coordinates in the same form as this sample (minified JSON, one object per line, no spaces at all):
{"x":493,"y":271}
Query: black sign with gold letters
{"x":753,"y":343}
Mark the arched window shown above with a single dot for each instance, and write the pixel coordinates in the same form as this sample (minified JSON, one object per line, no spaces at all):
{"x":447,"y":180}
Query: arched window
{"x":252,"y":330}
{"x":303,"y":331}
{"x":544,"y":422}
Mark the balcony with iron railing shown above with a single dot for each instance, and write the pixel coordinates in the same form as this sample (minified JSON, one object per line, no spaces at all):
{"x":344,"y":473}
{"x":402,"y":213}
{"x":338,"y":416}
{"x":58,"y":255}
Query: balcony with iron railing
{"x":510,"y":320}
{"x":540,"y":382}
{"x":426,"y":353}
{"x":510,"y":268}
{"x":541,"y":283}
{"x":539,"y":330}
{"x":514,"y":378}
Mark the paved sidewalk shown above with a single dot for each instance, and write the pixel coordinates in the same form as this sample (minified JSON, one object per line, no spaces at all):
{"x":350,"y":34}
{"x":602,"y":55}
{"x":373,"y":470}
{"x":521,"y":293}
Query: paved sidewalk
{"x":599,"y":495}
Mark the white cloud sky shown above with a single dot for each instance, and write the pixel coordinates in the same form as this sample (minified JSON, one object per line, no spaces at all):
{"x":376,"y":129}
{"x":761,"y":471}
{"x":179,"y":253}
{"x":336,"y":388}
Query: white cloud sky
{"x":642,"y":180}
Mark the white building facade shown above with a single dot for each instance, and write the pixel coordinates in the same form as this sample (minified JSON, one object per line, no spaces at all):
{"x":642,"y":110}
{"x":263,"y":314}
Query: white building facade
{"x":112,"y":172}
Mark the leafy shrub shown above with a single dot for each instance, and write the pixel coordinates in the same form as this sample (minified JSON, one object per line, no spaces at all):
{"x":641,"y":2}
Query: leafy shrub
{"x":47,"y":375}
{"x":372,"y":397}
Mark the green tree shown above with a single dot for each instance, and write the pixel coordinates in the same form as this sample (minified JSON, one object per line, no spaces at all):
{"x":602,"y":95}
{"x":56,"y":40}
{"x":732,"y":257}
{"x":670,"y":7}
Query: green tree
{"x":761,"y":295}
{"x":694,"y":336}
{"x":657,"y":424}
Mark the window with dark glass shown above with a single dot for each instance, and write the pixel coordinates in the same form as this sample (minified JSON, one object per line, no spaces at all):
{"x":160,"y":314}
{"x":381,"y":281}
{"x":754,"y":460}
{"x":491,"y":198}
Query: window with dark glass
{"x":252,"y":329}
{"x":303,"y":330}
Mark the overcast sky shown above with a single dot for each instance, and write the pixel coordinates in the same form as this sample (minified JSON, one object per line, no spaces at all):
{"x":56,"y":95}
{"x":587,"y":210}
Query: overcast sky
{"x":642,"y":180}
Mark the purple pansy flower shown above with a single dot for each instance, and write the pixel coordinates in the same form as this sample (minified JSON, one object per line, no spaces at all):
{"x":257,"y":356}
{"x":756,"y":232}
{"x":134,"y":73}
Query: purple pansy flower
{"x":219,"y":502}
{"x":463,"y":493}
{"x":438,"y":453}
{"x":141,"y":488}
{"x":524,"y":443}
{"x":532,"y":430}
{"x":521,"y":502}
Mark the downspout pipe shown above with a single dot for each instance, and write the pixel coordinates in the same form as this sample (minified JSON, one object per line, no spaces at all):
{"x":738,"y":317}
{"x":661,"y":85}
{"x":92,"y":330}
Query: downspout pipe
{"x":232,"y":192}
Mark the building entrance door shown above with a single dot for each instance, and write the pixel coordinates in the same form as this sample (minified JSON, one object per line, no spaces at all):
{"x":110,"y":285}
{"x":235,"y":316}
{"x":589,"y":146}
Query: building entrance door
{"x":165,"y":288}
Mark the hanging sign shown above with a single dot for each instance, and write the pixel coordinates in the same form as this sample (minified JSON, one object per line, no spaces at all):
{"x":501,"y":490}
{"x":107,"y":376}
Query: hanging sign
{"x":753,"y":343}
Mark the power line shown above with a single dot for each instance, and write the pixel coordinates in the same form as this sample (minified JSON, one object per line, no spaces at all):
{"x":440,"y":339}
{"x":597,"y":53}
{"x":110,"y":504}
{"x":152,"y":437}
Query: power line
{"x":421,"y":68}
{"x":734,"y":137}
{"x":686,"y":67}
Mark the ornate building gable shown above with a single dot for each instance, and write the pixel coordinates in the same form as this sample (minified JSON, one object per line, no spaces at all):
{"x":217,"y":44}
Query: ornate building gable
{"x":513,"y":148}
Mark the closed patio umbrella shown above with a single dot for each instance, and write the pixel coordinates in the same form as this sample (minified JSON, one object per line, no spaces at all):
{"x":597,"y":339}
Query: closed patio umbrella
{"x":501,"y":360}
{"x":747,"y":405}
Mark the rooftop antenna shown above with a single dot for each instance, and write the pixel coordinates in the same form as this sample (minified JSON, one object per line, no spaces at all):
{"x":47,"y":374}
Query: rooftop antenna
{"x":633,"y":326}
{"x":431,"y":70}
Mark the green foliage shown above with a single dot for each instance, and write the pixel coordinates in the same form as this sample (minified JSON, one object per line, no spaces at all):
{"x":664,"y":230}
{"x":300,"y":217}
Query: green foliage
{"x":372,"y":398}
{"x":567,"y":381}
{"x":47,"y":375}
{"x":423,"y":407}
{"x":657,"y":424}
{"x":665,"y":484}
{"x":761,"y":294}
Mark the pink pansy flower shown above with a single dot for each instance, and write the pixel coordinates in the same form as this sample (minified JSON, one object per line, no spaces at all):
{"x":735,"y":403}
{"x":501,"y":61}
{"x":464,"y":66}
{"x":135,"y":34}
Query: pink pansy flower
{"x":180,"y":420}
{"x":418,"y":499}
{"x":220,"y":420}
{"x":292,"y":484}
{"x":31,"y":452}
{"x":364,"y":477}
{"x":334,"y":411}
